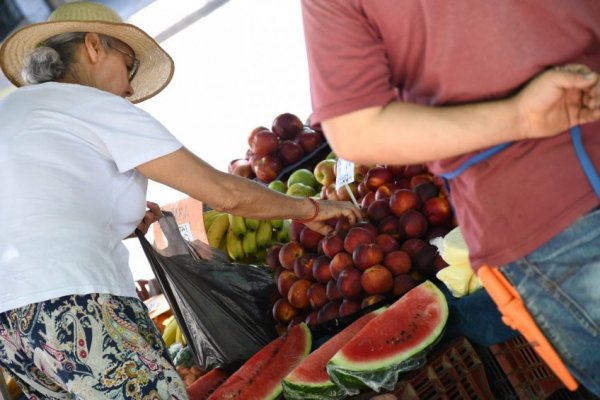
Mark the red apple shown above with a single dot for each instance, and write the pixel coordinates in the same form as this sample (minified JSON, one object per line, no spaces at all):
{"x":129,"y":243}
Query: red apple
{"x":290,"y":152}
{"x":267,"y":168}
{"x":402,"y":200}
{"x":287,"y":126}
{"x":241,"y":167}
{"x":263,"y":143}
{"x":367,"y":255}
{"x":253,"y":133}
{"x":377,"y":280}
{"x":309,"y":139}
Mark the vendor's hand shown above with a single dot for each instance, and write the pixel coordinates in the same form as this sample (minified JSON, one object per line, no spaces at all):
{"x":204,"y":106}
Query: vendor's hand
{"x":152,"y":215}
{"x":558,"y":99}
{"x":329,"y":209}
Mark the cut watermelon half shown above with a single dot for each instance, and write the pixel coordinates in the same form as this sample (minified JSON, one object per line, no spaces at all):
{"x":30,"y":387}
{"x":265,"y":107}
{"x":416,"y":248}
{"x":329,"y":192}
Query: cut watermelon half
{"x":309,"y":380}
{"x":260,"y":377}
{"x":206,"y":384}
{"x":395,"y":341}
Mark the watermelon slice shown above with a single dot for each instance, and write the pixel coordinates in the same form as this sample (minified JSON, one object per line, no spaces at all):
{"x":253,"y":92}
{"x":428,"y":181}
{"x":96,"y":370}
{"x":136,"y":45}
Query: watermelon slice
{"x":395,"y":341}
{"x":206,"y":384}
{"x":260,"y":377}
{"x":309,"y":380}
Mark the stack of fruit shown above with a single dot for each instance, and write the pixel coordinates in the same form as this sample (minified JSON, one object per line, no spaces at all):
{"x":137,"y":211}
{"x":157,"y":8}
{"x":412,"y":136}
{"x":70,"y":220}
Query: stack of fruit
{"x":243,"y":239}
{"x":272,"y":150}
{"x":321,"y":278}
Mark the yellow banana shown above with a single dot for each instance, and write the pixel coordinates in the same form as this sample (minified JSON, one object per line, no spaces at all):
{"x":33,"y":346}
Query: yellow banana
{"x":169,"y":332}
{"x":208,"y":217}
{"x":223,"y":244}
{"x":234,"y":246}
{"x":249,"y":243}
{"x":283,"y":234}
{"x":264,"y":233}
{"x":178,"y":336}
{"x":237,"y":224}
{"x":217,"y":229}
{"x":252,"y":223}
{"x":277,"y":223}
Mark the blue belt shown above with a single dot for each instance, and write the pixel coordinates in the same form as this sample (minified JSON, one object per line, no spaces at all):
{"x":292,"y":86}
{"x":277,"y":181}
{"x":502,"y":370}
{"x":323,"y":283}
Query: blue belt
{"x":575,"y":132}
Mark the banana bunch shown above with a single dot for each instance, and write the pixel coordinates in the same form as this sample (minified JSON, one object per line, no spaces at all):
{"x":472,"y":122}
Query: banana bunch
{"x":244,"y":239}
{"x":172,"y":332}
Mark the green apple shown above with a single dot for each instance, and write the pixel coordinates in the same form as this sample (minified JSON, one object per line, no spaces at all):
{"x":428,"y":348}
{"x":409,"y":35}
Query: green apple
{"x":278,"y":186}
{"x":304,"y":176}
{"x":300,"y":189}
{"x":325,"y":172}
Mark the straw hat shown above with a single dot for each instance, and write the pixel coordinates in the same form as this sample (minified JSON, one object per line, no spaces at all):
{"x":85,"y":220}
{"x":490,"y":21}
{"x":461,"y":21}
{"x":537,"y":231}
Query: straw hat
{"x":156,"y":66}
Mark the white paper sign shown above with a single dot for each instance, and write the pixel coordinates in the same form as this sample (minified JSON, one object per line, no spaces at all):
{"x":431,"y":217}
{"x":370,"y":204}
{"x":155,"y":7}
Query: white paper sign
{"x":186,"y":232}
{"x":344,"y":173}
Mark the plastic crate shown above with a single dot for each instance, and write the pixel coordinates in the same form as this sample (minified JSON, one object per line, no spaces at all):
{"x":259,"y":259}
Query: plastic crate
{"x":528,"y":375}
{"x":454,"y":372}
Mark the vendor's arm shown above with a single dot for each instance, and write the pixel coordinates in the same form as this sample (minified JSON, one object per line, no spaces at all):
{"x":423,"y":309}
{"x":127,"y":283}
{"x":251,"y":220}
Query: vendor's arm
{"x":405,"y":133}
{"x":184,"y":171}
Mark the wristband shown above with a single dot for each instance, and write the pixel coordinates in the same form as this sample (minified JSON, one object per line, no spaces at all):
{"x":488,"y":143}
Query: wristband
{"x":317,"y":210}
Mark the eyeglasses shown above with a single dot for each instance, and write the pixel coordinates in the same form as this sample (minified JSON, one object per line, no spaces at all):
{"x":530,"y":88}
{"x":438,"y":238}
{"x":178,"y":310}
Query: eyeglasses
{"x":135,"y":63}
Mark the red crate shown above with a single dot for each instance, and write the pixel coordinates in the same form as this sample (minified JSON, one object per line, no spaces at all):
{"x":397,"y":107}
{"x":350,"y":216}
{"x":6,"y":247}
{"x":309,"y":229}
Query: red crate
{"x":529,"y":376}
{"x":454,"y":372}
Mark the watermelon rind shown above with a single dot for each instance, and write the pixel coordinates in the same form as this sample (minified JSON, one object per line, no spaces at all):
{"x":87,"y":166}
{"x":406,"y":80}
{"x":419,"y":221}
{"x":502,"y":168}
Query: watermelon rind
{"x":298,"y":386}
{"x":262,"y":371}
{"x":382,"y":371}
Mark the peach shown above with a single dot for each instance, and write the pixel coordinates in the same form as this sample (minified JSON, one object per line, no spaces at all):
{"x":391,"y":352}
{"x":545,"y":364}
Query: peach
{"x":272,"y":257}
{"x":366,"y":225}
{"x":419,"y":179}
{"x":332,"y":244}
{"x":424,"y":261}
{"x":298,"y":293}
{"x":388,"y":225}
{"x":321,"y":272}
{"x":437,"y":211}
{"x":403,"y":283}
{"x":377,"y":280}
{"x":283,"y":311}
{"x":426,"y":191}
{"x":377,"y":176}
{"x":329,"y":311}
{"x":414,"y":169}
{"x":317,"y":295}
{"x":396,"y":170}
{"x":379,"y":209}
{"x":311,"y":319}
{"x":303,"y":266}
{"x":413,"y":246}
{"x":284,"y":281}
{"x":310,"y":239}
{"x":398,"y":262}
{"x":342,"y":227}
{"x":367,"y":255}
{"x":340,"y":262}
{"x":332,"y":291}
{"x":349,"y":284}
{"x":295,"y":321}
{"x":402,"y":200}
{"x":387,"y":242}
{"x":370,"y":300}
{"x":289,"y":252}
{"x":367,"y":200}
{"x":348,"y":307}
{"x":412,"y":224}
{"x":295,"y":229}
{"x":358,"y":236}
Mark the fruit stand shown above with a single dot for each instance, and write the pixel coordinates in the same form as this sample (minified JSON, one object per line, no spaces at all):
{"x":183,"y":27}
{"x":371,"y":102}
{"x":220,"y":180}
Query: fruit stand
{"x":370,"y":282}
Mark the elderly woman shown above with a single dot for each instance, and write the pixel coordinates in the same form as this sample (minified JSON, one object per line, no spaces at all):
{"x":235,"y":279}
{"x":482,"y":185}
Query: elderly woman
{"x":75,"y":157}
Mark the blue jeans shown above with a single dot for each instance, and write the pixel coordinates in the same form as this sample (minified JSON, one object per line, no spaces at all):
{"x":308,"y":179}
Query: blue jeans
{"x":560,"y":285}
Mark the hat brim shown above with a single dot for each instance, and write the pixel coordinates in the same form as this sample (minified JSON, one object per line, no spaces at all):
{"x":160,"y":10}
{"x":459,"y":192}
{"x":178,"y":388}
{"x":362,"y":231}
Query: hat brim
{"x":156,"y":66}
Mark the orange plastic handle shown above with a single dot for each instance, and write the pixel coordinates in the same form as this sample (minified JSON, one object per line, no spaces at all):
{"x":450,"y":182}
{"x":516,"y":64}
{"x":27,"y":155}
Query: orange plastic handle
{"x":515,"y":315}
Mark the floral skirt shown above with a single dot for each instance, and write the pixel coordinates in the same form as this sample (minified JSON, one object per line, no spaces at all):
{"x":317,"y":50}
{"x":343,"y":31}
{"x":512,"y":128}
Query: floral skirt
{"x":94,"y":346}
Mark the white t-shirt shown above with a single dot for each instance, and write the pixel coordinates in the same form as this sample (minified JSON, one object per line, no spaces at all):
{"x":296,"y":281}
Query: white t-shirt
{"x":69,"y":191}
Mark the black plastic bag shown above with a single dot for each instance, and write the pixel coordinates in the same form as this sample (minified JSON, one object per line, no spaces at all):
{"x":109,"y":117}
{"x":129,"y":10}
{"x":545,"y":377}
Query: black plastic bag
{"x":222,"y":308}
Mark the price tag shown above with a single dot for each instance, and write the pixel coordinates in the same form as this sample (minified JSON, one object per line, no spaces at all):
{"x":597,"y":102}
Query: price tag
{"x":186,"y":232}
{"x":344,"y":173}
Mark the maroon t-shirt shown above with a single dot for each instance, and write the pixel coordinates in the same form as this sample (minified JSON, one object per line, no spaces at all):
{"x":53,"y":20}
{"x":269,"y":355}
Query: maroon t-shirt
{"x":365,"y":53}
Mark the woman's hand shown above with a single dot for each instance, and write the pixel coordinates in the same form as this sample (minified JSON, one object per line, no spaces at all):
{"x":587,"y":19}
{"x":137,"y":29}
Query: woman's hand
{"x":333,"y":209}
{"x":152,"y":215}
{"x":558,"y":99}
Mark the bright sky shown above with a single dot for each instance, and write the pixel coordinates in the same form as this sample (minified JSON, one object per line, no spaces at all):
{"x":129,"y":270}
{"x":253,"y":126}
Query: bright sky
{"x":235,"y":69}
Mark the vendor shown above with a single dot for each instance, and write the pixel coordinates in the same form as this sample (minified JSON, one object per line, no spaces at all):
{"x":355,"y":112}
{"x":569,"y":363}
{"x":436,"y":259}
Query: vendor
{"x":75,"y":158}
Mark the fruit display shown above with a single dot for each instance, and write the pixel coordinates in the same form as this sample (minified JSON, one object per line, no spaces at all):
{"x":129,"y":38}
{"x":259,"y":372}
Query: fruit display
{"x":309,"y":380}
{"x":206,"y":384}
{"x":243,"y":239}
{"x":260,"y":377}
{"x":273,"y":150}
{"x":172,"y":333}
{"x":392,"y":342}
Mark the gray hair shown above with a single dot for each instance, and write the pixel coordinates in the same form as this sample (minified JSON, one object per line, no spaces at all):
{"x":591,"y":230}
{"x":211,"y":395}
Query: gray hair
{"x":53,"y":58}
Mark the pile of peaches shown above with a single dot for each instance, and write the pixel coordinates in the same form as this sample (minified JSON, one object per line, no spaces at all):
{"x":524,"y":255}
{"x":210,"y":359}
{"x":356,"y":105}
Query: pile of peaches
{"x":320,"y":278}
